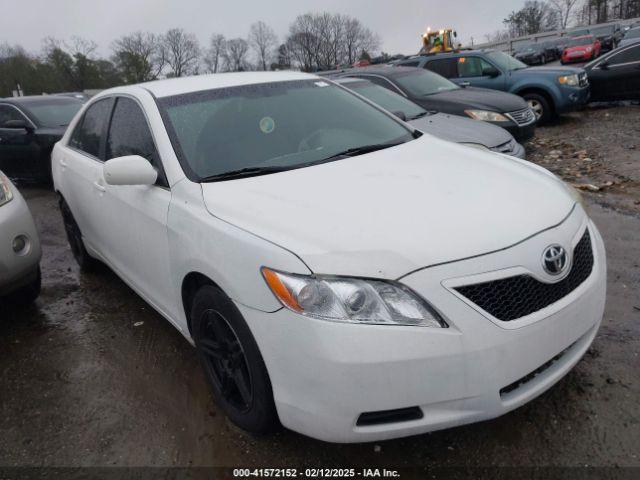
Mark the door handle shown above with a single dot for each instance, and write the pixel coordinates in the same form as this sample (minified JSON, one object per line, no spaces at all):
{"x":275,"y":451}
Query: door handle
{"x":98,"y":186}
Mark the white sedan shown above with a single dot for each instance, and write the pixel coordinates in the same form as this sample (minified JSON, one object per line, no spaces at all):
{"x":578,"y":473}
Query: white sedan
{"x":338,"y":271}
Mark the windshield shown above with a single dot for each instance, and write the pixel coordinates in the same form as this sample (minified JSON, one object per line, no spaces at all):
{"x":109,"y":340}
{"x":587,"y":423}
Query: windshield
{"x":54,"y":113}
{"x":578,"y":42}
{"x":505,"y":62}
{"x":420,"y":83}
{"x":279,"y":125}
{"x":635,"y":33}
{"x":608,"y":30}
{"x":387,"y":99}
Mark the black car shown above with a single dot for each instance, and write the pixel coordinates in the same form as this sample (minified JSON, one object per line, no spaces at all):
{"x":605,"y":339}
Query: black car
{"x":435,"y":93}
{"x":616,"y":75}
{"x":532,"y":54}
{"x":29,"y":127}
{"x":552,"y":48}
{"x":609,"y":36}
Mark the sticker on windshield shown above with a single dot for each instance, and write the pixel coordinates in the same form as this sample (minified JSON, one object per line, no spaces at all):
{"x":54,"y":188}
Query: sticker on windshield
{"x":321,"y":84}
{"x":267,"y":125}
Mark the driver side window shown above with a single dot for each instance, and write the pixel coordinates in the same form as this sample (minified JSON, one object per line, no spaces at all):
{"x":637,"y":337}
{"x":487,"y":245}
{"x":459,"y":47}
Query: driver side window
{"x":8,"y":113}
{"x":472,"y":67}
{"x":626,"y":56}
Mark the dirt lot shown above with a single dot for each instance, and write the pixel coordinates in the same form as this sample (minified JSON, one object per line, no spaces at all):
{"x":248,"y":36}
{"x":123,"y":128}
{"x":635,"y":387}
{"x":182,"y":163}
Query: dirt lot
{"x":93,"y":376}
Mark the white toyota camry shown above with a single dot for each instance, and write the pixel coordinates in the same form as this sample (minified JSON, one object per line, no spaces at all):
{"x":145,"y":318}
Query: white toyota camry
{"x":337,"y":271}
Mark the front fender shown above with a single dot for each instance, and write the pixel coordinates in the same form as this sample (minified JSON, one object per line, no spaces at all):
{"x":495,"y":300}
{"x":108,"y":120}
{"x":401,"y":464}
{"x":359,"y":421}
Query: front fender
{"x":550,"y":88}
{"x":230,"y":256}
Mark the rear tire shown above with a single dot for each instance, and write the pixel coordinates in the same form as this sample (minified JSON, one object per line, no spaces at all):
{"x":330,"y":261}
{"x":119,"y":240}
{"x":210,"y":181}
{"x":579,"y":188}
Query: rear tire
{"x":232,"y":362}
{"x":85,"y":261}
{"x":540,"y":106}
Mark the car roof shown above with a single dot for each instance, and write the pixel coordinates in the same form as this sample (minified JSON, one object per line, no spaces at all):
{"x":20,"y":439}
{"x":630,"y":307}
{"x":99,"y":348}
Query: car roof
{"x":177,"y":86}
{"x":36,"y":99}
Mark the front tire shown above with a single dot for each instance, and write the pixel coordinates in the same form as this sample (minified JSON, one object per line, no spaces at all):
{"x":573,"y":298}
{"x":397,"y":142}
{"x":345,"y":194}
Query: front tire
{"x":232,"y":362}
{"x":540,"y":106}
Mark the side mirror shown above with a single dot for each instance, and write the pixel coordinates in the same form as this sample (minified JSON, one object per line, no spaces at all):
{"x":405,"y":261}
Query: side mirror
{"x":491,"y":72}
{"x":604,"y":65}
{"x":17,"y":124}
{"x":400,"y":114}
{"x":129,"y":170}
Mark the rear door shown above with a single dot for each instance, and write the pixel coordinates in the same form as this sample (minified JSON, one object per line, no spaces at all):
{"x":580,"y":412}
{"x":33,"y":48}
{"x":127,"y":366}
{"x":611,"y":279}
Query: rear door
{"x":80,"y":167}
{"x":19,"y":151}
{"x":133,"y":218}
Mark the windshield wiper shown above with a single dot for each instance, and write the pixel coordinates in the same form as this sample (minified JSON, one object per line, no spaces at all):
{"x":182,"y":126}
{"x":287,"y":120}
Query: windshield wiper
{"x":352,"y":152}
{"x":243,"y":173}
{"x":421,"y":114}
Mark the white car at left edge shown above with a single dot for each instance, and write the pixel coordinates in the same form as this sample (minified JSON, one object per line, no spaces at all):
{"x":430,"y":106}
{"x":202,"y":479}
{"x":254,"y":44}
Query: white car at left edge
{"x":338,"y":271}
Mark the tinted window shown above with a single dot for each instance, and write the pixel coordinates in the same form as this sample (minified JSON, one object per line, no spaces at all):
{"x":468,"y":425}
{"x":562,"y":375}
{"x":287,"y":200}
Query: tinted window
{"x":631,"y":54}
{"x":129,"y":132}
{"x":8,"y":113}
{"x":54,"y":113}
{"x":87,"y":135}
{"x":281,"y":124}
{"x":472,"y":66}
{"x":445,"y":67}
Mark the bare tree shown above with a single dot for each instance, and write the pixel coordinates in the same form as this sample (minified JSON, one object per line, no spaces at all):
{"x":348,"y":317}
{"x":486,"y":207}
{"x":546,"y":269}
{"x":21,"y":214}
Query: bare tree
{"x":263,"y":41}
{"x":139,"y":56}
{"x":236,"y":55}
{"x":564,"y":9}
{"x":181,"y":51}
{"x":325,"y":40}
{"x":216,"y":53}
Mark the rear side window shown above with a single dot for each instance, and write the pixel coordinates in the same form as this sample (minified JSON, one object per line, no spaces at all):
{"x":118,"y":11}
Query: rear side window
{"x":445,"y":67}
{"x":88,"y":133}
{"x":129,"y":133}
{"x":626,"y":56}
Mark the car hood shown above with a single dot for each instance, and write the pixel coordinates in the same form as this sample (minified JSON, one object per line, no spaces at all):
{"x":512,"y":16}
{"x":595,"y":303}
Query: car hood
{"x":544,"y":71}
{"x":455,"y":128}
{"x":390,"y":212}
{"x":481,"y":98}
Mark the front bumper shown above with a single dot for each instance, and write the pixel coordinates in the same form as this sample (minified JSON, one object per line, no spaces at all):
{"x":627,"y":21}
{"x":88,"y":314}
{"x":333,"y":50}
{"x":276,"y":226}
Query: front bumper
{"x":325,"y":375}
{"x":572,"y":98}
{"x":520,"y":133}
{"x":17,"y":269}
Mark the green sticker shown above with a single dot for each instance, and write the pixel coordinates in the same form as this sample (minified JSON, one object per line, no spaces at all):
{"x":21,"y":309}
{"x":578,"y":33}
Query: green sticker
{"x":267,"y":125}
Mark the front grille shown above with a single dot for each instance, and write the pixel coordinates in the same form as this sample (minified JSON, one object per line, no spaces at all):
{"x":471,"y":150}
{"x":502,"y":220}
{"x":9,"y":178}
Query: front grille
{"x":507,"y":147}
{"x":583,"y":79}
{"x":522,"y":117}
{"x":516,"y":297}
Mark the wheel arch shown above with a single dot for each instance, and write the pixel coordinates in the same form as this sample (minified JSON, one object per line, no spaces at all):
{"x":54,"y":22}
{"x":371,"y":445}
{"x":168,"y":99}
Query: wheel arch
{"x":539,"y":91}
{"x":191,"y":283}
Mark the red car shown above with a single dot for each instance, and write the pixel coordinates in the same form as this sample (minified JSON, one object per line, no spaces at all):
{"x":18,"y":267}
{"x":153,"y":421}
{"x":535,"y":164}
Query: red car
{"x":581,"y":49}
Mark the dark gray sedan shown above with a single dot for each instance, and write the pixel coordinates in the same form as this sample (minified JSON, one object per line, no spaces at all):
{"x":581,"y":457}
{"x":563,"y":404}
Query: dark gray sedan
{"x":447,"y":127}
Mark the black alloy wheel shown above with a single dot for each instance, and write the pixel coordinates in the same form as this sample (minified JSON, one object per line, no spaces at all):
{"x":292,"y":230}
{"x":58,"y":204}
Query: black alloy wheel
{"x":232,"y":362}
{"x":74,"y":236}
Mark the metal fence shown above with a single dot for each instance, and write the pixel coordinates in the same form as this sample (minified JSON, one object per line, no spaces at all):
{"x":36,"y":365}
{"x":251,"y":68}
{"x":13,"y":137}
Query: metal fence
{"x":511,"y":44}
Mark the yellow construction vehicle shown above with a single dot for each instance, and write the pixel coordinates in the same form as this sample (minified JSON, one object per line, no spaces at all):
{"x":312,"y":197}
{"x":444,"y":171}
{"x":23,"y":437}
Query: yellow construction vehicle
{"x":437,"y":41}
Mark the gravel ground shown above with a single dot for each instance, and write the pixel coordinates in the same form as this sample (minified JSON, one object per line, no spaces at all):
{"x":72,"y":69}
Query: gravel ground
{"x":85,"y":383}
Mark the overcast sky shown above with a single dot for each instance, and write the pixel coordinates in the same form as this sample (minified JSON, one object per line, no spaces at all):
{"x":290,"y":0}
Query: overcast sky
{"x":399,"y":23}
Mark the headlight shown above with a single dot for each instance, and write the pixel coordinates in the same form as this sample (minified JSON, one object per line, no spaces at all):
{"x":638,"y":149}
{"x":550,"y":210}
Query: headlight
{"x":570,"y":80}
{"x":589,"y":49}
{"x":351,"y":300}
{"x":479,"y":146}
{"x":5,"y":189}
{"x":486,"y":116}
